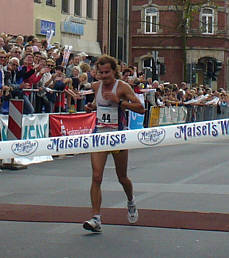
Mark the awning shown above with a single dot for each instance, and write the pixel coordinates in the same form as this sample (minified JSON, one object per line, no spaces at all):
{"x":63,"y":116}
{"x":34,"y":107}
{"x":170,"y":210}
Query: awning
{"x":92,"y":48}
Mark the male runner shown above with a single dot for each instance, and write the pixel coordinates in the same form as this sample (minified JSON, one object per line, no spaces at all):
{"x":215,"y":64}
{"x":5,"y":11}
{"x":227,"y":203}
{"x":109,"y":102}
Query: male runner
{"x":112,"y":97}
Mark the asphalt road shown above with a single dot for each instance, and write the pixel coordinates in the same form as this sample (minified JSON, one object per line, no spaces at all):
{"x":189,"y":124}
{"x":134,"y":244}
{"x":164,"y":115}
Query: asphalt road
{"x":190,"y":177}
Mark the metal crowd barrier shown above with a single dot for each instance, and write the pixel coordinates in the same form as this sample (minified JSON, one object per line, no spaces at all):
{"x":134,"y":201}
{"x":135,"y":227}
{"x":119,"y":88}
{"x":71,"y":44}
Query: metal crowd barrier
{"x":206,"y":113}
{"x":32,"y":96}
{"x":184,"y":114}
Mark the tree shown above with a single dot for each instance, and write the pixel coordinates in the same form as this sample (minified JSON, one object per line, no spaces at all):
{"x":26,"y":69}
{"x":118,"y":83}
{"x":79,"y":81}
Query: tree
{"x":187,"y":9}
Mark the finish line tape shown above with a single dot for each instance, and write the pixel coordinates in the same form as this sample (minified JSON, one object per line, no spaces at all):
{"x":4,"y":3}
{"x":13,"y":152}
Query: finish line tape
{"x":111,"y":141}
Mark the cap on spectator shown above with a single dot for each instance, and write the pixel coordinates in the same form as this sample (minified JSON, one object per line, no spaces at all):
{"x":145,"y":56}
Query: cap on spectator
{"x":14,"y":59}
{"x":83,"y":54}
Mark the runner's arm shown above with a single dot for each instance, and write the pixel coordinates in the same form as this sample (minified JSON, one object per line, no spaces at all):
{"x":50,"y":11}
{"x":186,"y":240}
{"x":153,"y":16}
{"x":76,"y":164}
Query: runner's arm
{"x":130,"y":101}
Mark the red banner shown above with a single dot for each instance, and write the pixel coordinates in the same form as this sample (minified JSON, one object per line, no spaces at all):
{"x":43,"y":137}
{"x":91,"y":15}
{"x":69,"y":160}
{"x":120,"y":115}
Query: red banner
{"x":72,"y":124}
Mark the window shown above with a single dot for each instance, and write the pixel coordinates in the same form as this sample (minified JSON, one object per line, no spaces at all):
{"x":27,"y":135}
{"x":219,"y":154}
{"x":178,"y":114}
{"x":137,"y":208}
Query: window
{"x":148,"y":63}
{"x":50,"y":2}
{"x":37,"y":1}
{"x":151,"y":20}
{"x":89,"y":8}
{"x":65,"y":6}
{"x":207,"y":21}
{"x":77,"y":7}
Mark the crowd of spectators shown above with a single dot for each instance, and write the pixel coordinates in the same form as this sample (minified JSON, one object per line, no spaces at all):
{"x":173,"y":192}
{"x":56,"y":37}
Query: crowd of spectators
{"x":33,"y":70}
{"x":171,"y":94}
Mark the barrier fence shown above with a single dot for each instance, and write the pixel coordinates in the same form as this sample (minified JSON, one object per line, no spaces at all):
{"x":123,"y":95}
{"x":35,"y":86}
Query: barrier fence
{"x":182,"y":114}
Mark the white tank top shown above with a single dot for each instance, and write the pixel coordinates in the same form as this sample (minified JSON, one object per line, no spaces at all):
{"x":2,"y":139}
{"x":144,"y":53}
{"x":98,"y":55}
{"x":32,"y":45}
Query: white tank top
{"x":107,"y":111}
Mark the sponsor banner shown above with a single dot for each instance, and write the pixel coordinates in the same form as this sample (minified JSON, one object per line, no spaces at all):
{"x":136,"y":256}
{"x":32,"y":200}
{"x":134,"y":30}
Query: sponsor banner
{"x":111,"y":141}
{"x":136,"y":120}
{"x":154,"y":116}
{"x":72,"y":124}
{"x":33,"y":127}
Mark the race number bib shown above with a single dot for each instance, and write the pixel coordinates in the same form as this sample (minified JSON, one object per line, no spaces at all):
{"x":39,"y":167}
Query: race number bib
{"x":107,"y":115}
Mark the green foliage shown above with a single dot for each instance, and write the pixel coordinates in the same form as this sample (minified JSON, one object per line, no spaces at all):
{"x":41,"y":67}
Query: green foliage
{"x":187,"y":9}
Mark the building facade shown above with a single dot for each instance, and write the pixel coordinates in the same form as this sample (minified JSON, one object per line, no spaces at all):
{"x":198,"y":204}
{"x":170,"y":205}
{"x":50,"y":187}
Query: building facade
{"x":47,"y":17}
{"x":79,"y":25}
{"x":161,"y":47}
{"x":113,"y":28}
{"x":13,"y":20}
{"x":74,"y":21}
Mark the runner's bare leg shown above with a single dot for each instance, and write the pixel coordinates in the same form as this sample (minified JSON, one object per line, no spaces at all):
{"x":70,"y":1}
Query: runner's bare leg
{"x":121,"y":162}
{"x":98,"y":161}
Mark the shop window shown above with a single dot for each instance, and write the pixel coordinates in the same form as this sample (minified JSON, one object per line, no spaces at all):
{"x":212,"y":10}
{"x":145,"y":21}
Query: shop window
{"x":207,"y":21}
{"x":77,"y":7}
{"x":65,"y":6}
{"x":151,"y":20}
{"x":89,"y":9}
{"x":50,"y":2}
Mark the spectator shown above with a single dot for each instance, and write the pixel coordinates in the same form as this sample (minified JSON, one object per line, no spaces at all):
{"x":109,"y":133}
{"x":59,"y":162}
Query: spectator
{"x":48,"y":83}
{"x":59,"y":85}
{"x":85,"y":68}
{"x":42,"y":101}
{"x":16,"y":52}
{"x":76,"y":62}
{"x":75,"y":78}
{"x":36,"y":74}
{"x":36,"y":57}
{"x":2,"y":44}
{"x":149,"y":84}
{"x":27,"y":50}
{"x":133,"y":71}
{"x":92,"y":75}
{"x":20,"y":41}
{"x":84,"y":86}
{"x":155,"y":84}
{"x":126,"y":74}
{"x":83,"y":58}
{"x":44,"y":46}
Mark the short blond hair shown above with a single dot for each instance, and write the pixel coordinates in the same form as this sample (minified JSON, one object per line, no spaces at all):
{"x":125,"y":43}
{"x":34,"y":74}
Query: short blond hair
{"x":14,"y":59}
{"x":2,"y":51}
{"x":85,"y":67}
{"x":84,"y":75}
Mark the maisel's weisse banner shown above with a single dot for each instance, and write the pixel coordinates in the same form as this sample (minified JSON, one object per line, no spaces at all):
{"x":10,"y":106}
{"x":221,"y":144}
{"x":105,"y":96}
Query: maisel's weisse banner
{"x":119,"y":140}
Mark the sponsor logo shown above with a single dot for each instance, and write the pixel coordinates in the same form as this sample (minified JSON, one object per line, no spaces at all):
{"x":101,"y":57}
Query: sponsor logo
{"x":85,"y":142}
{"x":151,"y":137}
{"x":25,"y":148}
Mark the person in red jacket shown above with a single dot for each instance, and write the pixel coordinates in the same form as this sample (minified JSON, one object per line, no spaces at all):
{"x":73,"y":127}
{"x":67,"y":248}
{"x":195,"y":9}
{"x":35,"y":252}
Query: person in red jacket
{"x":30,"y":78}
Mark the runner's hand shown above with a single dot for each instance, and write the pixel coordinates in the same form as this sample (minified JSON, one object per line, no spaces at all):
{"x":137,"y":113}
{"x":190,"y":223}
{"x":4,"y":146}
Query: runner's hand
{"x":111,"y":96}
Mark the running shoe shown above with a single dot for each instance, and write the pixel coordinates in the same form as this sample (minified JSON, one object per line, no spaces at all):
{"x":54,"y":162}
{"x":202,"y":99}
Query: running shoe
{"x":93,"y":225}
{"x":132,"y":212}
